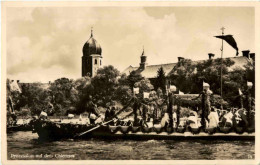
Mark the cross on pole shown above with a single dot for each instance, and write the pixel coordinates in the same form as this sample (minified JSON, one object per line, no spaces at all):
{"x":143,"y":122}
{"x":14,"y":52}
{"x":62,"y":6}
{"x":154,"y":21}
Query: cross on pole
{"x":222,"y":29}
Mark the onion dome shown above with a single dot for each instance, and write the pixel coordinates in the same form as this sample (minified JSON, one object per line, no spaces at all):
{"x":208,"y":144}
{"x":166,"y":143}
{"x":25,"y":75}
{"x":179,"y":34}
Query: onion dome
{"x":91,"y":46}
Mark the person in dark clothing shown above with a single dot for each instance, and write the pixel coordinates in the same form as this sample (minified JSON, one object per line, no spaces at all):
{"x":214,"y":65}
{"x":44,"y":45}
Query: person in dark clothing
{"x":92,"y":109}
{"x":205,"y":106}
{"x":112,"y":112}
{"x":170,"y":109}
{"x":136,"y":106}
{"x":248,"y":105}
{"x":144,"y":115}
{"x":107,"y":114}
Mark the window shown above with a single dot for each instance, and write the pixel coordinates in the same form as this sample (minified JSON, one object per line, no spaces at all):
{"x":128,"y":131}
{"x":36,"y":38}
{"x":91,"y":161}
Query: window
{"x":100,"y":62}
{"x":95,"y":61}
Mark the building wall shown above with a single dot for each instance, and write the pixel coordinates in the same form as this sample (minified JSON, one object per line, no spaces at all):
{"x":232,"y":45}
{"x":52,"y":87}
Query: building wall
{"x":87,"y":66}
{"x":96,"y":64}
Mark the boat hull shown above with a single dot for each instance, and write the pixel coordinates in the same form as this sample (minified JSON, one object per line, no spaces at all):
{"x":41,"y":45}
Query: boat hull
{"x":54,"y":131}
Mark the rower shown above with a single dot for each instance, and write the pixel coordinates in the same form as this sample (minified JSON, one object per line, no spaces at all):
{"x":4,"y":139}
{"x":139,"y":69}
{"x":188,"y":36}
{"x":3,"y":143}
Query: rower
{"x":213,"y":118}
{"x":226,"y":118}
{"x":43,"y":115}
{"x":107,"y":113}
{"x":193,"y":120}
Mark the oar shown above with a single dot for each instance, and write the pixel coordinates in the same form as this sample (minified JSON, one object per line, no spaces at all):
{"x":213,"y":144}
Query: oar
{"x":92,"y":129}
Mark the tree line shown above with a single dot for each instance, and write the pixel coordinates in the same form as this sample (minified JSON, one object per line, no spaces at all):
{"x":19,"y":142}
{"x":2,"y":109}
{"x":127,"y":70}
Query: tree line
{"x":68,"y":95}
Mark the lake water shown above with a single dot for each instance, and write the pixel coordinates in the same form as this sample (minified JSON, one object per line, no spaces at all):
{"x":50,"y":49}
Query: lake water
{"x":25,"y":145}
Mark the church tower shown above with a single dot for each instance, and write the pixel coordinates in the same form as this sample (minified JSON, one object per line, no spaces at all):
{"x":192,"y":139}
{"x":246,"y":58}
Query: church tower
{"x":92,"y":57}
{"x":143,"y":63}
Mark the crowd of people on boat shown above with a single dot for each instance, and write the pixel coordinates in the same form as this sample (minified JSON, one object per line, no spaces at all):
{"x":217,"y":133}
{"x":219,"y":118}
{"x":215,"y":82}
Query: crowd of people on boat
{"x":149,"y":114}
{"x":163,"y":111}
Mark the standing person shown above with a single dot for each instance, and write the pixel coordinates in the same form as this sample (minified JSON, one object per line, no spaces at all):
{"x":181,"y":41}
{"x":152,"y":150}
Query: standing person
{"x":112,"y":112}
{"x":135,"y":109}
{"x":92,"y":109}
{"x":144,"y":115}
{"x":107,"y":113}
{"x":205,"y":106}
{"x":178,"y":112}
{"x":156,"y":114}
{"x":248,"y":104}
{"x":169,"y":108}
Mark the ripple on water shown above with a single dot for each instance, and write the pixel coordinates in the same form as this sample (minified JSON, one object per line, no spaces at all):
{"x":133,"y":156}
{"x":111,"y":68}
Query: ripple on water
{"x":27,"y":143}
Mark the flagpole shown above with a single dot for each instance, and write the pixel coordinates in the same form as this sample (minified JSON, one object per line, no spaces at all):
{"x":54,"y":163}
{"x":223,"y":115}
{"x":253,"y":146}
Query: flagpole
{"x":221,"y":67}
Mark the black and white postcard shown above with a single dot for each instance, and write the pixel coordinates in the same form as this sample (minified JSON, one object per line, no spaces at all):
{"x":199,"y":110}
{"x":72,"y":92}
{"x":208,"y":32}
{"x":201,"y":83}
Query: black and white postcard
{"x":129,"y":82}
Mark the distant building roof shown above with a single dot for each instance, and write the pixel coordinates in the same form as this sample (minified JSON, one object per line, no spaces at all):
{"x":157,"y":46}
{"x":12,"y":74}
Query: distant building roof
{"x":150,"y":71}
{"x":41,"y":85}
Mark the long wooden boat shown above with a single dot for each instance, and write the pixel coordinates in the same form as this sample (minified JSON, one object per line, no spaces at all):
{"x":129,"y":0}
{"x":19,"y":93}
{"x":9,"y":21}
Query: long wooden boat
{"x":23,"y":127}
{"x":56,"y":131}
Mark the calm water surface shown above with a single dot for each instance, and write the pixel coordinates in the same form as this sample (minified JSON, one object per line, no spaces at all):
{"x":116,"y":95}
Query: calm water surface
{"x":25,"y":145}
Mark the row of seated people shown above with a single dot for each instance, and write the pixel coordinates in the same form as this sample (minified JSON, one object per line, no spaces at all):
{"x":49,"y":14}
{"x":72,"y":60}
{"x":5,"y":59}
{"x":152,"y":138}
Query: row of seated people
{"x":230,"y":118}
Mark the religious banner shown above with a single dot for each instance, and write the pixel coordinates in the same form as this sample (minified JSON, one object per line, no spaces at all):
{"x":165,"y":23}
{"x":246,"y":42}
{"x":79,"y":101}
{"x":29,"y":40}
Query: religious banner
{"x":230,"y":40}
{"x":173,"y":88}
{"x":146,"y":94}
{"x":249,"y":84}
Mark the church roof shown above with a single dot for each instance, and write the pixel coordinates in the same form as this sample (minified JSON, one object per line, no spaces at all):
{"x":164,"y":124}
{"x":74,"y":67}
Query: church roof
{"x":150,"y":71}
{"x":92,"y":46}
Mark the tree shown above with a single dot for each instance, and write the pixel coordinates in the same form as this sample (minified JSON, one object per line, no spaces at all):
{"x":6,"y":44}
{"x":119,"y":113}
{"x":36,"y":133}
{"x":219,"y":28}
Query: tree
{"x":34,"y":96}
{"x":183,"y":76}
{"x":123,"y":94}
{"x":104,"y":84}
{"x":144,"y":85}
{"x":62,"y":95}
{"x":160,"y":81}
{"x":134,"y":77}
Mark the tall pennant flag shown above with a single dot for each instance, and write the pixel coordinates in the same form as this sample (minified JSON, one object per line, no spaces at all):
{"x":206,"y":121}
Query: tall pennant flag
{"x":230,"y":40}
{"x":240,"y":92}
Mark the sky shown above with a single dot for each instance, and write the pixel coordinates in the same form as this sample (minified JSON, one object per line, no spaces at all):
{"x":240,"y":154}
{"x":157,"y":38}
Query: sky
{"x":45,"y":43}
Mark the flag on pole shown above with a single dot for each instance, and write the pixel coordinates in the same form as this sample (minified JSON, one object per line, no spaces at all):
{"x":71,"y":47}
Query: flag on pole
{"x":205,"y":85}
{"x":230,"y":40}
{"x":146,"y":94}
{"x":172,"y":88}
{"x":209,"y":92}
{"x":15,"y":87}
{"x":240,"y":92}
{"x":80,"y":117}
{"x":136,"y":90}
{"x":249,"y":84}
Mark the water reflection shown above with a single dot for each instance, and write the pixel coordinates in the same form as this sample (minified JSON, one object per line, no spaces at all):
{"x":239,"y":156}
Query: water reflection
{"x":28,"y":143}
